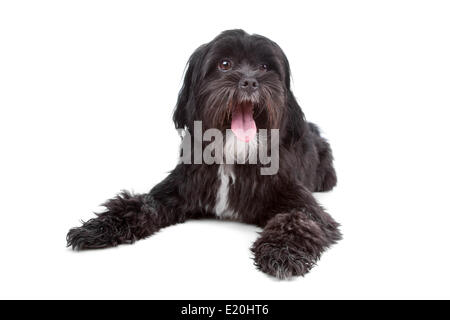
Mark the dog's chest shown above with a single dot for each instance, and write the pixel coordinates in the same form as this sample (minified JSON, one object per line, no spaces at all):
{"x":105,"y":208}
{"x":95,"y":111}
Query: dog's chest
{"x":226,"y":178}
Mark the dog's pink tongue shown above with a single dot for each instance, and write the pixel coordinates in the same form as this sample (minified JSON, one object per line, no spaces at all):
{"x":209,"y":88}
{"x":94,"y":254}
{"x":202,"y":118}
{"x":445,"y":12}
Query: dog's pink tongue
{"x":242,"y":123}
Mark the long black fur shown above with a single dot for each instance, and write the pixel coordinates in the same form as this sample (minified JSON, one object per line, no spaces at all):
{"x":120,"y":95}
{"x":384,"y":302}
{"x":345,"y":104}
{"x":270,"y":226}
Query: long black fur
{"x":296,"y":229}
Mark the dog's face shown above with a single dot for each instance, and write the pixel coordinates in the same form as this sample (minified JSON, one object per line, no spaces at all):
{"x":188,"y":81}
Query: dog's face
{"x":236,"y":81}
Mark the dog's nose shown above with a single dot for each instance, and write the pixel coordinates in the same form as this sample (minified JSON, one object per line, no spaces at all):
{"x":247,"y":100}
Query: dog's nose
{"x":248,"y":83}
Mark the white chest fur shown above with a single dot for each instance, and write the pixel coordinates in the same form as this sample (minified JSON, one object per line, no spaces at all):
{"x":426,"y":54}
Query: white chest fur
{"x":226,"y":177}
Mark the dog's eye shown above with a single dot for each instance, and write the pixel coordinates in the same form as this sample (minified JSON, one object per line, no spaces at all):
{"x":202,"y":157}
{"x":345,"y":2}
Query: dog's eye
{"x":263,"y":67}
{"x":225,"y":65}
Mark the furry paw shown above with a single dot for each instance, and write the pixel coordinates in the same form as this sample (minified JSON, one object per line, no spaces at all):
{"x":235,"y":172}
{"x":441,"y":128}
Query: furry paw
{"x":95,"y":234}
{"x":126,"y":219}
{"x":291,"y":244}
{"x":280,"y":261}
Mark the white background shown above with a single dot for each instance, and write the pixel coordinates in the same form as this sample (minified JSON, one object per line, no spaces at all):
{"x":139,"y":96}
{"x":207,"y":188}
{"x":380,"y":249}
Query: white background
{"x":87,"y":90}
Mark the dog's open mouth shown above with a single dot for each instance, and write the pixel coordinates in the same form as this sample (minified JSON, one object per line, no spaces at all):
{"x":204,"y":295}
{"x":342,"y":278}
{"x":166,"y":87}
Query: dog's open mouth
{"x":242,"y":123}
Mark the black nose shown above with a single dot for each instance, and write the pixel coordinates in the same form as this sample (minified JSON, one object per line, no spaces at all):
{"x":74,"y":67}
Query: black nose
{"x":248,"y":83}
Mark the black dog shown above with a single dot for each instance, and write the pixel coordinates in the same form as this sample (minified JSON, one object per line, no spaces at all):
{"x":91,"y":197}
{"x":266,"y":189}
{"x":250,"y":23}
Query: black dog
{"x":242,"y":82}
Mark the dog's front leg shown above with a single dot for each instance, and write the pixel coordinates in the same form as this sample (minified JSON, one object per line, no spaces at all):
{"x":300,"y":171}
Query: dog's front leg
{"x":130,"y":217}
{"x":291,"y":242}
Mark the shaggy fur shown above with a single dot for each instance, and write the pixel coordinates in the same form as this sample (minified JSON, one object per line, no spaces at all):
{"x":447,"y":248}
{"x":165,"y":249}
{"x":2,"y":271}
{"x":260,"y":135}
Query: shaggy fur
{"x":296,"y":229}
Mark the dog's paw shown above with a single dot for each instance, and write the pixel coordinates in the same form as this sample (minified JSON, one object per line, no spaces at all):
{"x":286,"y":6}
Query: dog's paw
{"x":95,"y":234}
{"x":282,"y":261}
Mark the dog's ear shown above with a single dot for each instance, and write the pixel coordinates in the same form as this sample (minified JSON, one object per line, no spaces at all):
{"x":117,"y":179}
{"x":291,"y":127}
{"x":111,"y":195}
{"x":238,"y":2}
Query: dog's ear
{"x":294,"y":121}
{"x":294,"y":124}
{"x":184,"y":108}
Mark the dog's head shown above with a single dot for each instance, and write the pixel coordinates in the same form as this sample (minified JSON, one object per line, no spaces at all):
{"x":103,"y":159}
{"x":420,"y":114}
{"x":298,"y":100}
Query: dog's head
{"x":242,"y":82}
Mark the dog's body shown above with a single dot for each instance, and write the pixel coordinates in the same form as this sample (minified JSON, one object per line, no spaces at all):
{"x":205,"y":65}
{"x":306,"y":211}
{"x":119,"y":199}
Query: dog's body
{"x":254,"y":75}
